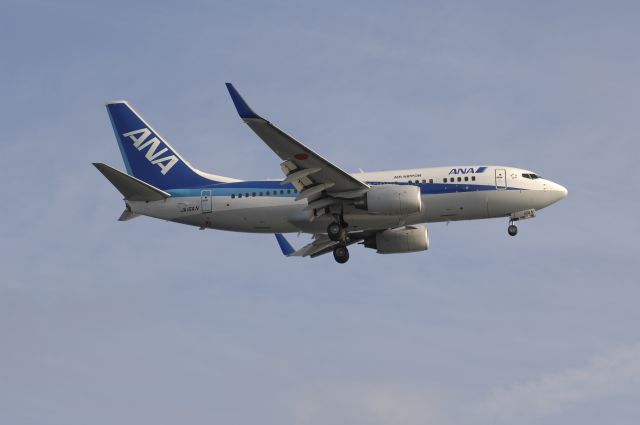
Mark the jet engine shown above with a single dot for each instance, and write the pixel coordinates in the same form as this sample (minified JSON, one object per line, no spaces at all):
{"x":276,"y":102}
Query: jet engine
{"x":401,"y":240}
{"x":391,"y":199}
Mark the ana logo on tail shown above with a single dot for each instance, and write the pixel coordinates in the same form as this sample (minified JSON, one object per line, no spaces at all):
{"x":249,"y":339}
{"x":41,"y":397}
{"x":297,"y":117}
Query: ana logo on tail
{"x":139,"y":139}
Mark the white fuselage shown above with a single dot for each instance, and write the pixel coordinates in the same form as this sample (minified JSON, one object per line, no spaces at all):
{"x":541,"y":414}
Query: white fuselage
{"x":269,"y":207}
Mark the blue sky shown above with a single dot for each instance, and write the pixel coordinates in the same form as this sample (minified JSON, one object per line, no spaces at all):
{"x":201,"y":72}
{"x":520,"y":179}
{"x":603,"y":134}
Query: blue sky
{"x":150,"y":322}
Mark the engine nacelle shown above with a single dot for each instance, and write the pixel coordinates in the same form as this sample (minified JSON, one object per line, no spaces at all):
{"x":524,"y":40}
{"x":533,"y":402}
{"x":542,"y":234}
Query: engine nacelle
{"x":392,"y":199}
{"x":397,"y":241}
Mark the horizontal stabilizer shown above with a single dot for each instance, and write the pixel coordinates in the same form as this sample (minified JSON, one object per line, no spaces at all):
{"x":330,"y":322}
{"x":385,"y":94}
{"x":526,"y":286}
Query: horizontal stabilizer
{"x":131,"y":188}
{"x":127,"y":215}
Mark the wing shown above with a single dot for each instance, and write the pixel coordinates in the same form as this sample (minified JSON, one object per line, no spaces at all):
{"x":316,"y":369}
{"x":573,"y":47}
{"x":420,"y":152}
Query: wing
{"x":318,"y":181}
{"x":321,"y":245}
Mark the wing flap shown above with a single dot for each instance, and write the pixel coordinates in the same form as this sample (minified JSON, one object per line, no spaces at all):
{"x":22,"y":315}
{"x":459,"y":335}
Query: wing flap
{"x":313,"y":190}
{"x":299,"y":175}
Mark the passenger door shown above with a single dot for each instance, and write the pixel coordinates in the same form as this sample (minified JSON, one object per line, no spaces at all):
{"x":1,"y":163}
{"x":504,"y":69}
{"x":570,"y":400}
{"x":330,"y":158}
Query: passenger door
{"x":501,"y":178}
{"x":206,"y":201}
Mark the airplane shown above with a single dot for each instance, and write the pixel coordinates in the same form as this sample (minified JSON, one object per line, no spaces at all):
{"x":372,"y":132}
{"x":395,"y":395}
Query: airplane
{"x":386,"y":210}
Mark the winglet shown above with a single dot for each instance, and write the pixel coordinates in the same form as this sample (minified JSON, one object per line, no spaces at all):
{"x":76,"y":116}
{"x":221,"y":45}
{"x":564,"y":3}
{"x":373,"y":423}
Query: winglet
{"x":285,"y":246}
{"x":243,"y":109}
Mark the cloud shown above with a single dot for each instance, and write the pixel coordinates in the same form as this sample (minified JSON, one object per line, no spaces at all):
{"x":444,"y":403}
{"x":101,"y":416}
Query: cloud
{"x":369,"y":404}
{"x":615,"y":373}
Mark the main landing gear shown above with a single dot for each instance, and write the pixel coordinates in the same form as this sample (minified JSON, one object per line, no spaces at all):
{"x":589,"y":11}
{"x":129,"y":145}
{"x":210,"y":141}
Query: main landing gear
{"x":341,"y":254}
{"x":337,"y":229}
{"x":337,"y":232}
{"x":512,"y":229}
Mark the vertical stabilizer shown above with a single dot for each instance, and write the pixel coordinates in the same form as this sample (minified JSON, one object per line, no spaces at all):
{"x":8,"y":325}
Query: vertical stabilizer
{"x":148,"y":156}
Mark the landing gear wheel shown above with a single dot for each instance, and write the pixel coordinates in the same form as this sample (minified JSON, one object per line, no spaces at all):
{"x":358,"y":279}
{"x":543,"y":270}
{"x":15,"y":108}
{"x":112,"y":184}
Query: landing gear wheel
{"x":334,"y":231}
{"x":512,"y":230}
{"x":341,"y":254}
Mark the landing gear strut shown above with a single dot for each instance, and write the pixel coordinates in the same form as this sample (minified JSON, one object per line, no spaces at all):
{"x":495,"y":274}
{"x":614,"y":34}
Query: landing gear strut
{"x":517,"y":216}
{"x":337,"y":230}
{"x":341,"y":254}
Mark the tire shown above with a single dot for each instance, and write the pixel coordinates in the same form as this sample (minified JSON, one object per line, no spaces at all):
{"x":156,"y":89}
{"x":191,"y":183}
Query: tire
{"x":512,"y":230}
{"x":334,"y":231}
{"x":341,"y":254}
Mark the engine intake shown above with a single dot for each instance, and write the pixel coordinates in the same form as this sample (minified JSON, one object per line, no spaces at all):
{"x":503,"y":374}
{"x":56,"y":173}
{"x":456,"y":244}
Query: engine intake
{"x":401,"y":240}
{"x":392,"y":199}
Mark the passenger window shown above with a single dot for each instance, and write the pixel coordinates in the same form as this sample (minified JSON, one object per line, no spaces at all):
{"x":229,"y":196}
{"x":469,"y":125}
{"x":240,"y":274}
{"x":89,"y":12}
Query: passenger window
{"x":268,"y":193}
{"x":282,"y":192}
{"x":288,"y":190}
{"x":260,"y":193}
{"x":473,"y":178}
{"x":233,"y":196}
{"x":459,"y":179}
{"x":430,"y":180}
{"x":239,"y":195}
{"x":424,"y":181}
{"x":246,"y":195}
{"x":444,"y":180}
{"x":253,"y":194}
{"x":466,"y":179}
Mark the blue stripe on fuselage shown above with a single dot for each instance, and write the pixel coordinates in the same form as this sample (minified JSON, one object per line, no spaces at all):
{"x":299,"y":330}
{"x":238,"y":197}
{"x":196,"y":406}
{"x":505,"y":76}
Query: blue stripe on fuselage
{"x":288,"y":190}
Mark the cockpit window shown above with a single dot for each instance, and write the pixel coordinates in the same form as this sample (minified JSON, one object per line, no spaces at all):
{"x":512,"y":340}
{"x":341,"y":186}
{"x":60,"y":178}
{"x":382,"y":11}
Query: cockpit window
{"x":530,"y":176}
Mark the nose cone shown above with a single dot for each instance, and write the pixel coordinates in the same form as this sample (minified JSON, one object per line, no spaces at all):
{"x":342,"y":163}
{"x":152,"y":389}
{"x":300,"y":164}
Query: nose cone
{"x":563,"y":191}
{"x":559,"y":191}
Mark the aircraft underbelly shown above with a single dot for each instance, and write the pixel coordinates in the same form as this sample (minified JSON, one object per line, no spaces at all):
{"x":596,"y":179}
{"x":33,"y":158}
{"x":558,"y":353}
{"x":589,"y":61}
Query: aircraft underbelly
{"x":272,"y":219}
{"x":355,"y":221}
{"x":455,"y":206}
{"x":504,"y":202}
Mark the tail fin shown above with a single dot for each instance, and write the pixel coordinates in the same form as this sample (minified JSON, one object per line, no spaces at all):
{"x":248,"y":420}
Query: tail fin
{"x":150,"y":158}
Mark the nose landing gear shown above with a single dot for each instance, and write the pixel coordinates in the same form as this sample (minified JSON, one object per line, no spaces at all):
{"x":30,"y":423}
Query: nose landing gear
{"x":516,"y":216}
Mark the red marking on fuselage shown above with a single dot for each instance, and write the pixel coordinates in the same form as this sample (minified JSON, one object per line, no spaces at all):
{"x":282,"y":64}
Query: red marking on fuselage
{"x":301,"y":156}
